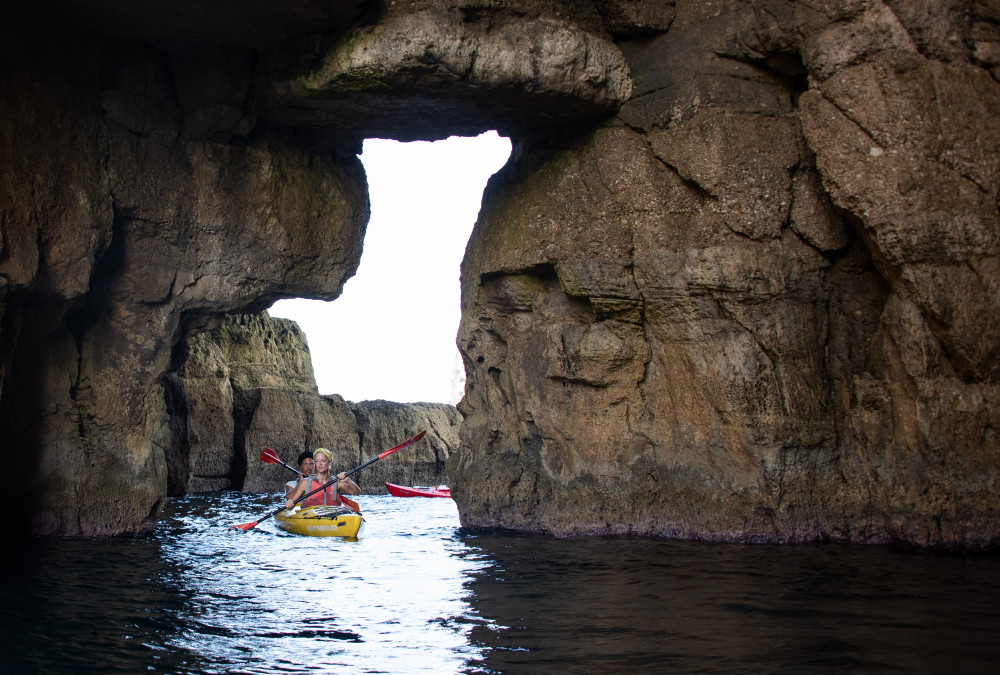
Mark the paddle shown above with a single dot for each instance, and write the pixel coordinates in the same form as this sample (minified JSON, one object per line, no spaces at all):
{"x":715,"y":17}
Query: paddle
{"x":269,"y":456}
{"x":410,"y":441}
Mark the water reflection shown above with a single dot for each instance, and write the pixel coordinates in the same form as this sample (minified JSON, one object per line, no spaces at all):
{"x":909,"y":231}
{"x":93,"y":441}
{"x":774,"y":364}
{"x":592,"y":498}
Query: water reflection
{"x":390,"y":602}
{"x":83,"y":606}
{"x":611,"y":605}
{"x":417,"y":594}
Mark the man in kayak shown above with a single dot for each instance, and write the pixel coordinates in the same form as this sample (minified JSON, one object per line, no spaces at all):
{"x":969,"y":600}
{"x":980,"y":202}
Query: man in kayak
{"x":306,"y":468}
{"x":343,"y":485}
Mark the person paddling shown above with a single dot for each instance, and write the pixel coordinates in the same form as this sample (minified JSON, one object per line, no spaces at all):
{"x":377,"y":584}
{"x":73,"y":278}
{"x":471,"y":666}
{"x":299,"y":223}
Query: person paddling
{"x":306,"y":468}
{"x":322,"y":458}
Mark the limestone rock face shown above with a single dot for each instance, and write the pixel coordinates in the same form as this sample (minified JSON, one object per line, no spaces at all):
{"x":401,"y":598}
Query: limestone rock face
{"x":759,"y":306}
{"x":383,"y":424}
{"x":134,"y":241}
{"x":167,"y":165}
{"x":237,"y":378}
{"x":738,"y":281}
{"x":249,"y":385}
{"x":461,"y":68}
{"x":182,"y":23}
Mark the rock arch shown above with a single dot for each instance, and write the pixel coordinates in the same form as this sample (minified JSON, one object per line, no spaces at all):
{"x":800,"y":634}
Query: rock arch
{"x":738,"y":281}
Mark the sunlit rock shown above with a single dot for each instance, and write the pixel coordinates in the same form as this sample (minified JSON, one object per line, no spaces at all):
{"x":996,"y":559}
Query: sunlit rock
{"x":249,"y":385}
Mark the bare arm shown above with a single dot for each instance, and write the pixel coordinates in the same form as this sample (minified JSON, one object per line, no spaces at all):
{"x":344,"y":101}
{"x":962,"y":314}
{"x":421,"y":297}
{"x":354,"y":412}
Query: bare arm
{"x":346,"y":486}
{"x":296,"y":493}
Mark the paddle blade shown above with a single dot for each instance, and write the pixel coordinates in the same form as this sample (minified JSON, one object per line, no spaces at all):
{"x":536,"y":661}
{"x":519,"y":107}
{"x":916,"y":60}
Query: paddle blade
{"x":351,"y":504}
{"x":269,"y":456}
{"x":245,"y":526}
{"x":409,"y":441}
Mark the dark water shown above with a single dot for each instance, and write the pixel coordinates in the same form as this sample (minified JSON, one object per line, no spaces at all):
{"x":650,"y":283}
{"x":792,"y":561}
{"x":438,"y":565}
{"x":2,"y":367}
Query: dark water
{"x":416,"y":594}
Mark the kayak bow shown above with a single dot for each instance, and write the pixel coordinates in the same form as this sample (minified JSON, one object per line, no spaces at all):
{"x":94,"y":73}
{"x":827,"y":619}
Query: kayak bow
{"x":433,"y":491}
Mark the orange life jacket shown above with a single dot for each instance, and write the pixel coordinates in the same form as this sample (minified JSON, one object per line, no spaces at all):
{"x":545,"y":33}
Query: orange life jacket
{"x":326,"y":497}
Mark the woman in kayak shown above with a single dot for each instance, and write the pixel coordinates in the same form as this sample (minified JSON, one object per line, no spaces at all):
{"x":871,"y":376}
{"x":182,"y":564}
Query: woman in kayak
{"x":306,"y":467}
{"x":343,"y":484}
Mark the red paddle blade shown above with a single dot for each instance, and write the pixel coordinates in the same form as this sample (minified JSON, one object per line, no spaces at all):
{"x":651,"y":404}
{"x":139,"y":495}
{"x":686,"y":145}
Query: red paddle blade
{"x":245,"y":526}
{"x":270,"y":456}
{"x":351,"y":504}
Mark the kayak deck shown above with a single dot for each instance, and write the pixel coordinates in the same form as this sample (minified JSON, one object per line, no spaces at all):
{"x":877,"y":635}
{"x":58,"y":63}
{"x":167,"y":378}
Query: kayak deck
{"x":321,"y":521}
{"x":403,"y":491}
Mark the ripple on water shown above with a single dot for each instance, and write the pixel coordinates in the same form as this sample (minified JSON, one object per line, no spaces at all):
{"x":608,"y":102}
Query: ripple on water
{"x":417,"y":594}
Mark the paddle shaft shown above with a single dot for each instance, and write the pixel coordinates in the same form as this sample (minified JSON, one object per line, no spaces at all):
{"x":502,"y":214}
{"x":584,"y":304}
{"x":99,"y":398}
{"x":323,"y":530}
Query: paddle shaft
{"x":302,"y":498}
{"x":388,"y":452}
{"x":358,"y":468}
{"x":270,"y":456}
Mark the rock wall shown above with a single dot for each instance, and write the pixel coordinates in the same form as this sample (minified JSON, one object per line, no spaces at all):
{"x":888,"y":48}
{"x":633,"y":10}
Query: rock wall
{"x":123,"y":234}
{"x":738,"y":281}
{"x":165,"y":165}
{"x":758,"y":305}
{"x":249,"y":384}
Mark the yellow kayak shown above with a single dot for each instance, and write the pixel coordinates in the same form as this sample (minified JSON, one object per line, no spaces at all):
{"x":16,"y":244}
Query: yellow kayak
{"x":321,"y":521}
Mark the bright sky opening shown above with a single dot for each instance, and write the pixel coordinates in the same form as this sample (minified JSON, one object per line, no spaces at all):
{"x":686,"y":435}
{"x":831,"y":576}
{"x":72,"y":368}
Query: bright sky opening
{"x":391,"y":334}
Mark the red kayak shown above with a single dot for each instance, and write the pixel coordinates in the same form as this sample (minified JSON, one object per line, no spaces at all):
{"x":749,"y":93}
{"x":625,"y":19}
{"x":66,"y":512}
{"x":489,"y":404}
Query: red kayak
{"x":432,"y":491}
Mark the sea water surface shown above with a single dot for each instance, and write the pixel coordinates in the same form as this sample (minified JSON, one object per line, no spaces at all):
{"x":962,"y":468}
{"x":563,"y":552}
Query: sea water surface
{"x":418,"y":594}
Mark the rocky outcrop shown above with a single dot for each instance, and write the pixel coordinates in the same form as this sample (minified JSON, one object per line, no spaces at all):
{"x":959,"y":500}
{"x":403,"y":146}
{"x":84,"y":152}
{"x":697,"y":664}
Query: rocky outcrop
{"x":759,"y":306}
{"x":166,"y":166}
{"x":457,"y":68}
{"x":249,"y":385}
{"x":738,"y":281}
{"x":120,"y":239}
{"x":383,"y":424}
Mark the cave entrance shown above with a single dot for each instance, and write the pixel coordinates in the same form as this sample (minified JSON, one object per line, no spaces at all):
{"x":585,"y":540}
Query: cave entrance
{"x":391,"y":333}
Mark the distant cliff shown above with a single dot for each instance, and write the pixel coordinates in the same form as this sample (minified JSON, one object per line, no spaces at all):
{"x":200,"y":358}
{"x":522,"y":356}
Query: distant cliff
{"x":739,"y":280}
{"x":249,"y":384}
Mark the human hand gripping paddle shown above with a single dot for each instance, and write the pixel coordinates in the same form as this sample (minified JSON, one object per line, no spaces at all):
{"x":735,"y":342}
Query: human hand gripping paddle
{"x":269,"y":456}
{"x":410,"y":441}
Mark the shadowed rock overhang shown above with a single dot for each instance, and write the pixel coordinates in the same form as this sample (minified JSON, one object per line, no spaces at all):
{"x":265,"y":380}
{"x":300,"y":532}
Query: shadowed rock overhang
{"x":339,"y":72}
